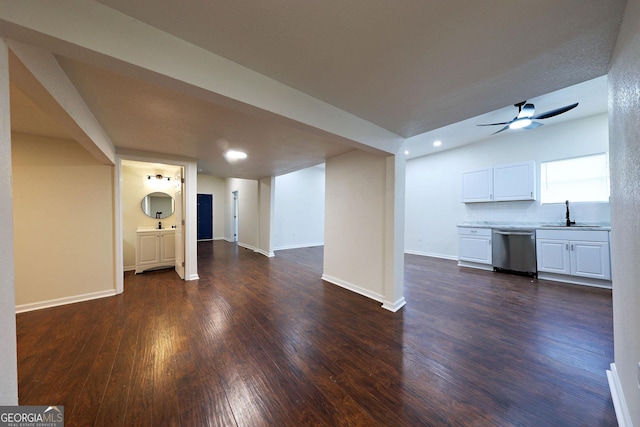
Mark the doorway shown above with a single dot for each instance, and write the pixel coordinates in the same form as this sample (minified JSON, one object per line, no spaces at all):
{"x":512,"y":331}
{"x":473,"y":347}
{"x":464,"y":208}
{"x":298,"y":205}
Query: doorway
{"x":205,"y":217}
{"x":127,"y":206}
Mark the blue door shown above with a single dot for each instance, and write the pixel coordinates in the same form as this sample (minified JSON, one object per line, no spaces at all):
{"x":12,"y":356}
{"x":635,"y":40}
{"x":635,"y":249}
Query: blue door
{"x":205,"y":217}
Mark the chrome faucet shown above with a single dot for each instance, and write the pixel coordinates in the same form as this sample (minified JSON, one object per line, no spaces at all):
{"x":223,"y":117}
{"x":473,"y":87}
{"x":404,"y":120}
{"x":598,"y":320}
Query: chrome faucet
{"x":569,"y":222}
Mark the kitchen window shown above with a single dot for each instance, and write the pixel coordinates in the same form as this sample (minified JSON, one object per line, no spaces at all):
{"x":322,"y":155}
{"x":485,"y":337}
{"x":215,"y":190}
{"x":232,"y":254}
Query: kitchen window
{"x":578,"y":179}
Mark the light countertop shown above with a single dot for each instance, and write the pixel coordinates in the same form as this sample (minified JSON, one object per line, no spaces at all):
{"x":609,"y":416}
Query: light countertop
{"x":536,"y":226}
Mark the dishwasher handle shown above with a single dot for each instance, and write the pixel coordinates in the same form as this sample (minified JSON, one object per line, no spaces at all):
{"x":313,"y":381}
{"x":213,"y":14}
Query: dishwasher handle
{"x":514,"y":233}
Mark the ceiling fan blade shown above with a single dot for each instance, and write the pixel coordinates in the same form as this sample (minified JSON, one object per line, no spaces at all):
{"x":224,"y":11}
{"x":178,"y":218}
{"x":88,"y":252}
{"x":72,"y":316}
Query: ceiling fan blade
{"x":504,"y":128}
{"x":554,"y":112}
{"x":526,"y":110}
{"x":533,"y":125}
{"x":495,"y":124}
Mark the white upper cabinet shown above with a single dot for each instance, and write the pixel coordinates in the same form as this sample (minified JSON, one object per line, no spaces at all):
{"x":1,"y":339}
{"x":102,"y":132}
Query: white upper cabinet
{"x":477,"y":186}
{"x":516,"y":181}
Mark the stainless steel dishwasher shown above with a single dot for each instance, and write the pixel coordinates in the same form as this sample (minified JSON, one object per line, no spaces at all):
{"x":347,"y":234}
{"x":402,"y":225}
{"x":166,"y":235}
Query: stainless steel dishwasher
{"x":514,"y":250}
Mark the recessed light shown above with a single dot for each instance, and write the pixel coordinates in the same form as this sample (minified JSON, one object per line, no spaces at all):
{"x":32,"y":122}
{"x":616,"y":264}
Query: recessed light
{"x":437,"y":143}
{"x":235,"y":155}
{"x":406,"y":152}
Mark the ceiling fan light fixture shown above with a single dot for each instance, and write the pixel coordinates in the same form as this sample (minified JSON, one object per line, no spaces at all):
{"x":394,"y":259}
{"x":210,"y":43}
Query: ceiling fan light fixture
{"x":520,"y":123}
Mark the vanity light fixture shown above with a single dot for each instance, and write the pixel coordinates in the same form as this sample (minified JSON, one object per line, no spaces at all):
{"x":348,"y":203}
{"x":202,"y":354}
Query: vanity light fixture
{"x":159,"y":177}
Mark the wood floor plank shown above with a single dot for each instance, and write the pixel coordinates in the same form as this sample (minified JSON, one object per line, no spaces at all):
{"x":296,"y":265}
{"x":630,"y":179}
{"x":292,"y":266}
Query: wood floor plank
{"x":260,"y":341}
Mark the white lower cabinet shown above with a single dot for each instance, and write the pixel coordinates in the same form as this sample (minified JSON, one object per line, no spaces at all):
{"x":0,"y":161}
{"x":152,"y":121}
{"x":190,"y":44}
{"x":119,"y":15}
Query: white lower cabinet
{"x":155,"y":248}
{"x":474,"y":247}
{"x":579,"y":255}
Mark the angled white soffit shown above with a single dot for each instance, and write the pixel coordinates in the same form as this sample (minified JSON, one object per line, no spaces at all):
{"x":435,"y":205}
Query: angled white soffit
{"x":37,"y":73}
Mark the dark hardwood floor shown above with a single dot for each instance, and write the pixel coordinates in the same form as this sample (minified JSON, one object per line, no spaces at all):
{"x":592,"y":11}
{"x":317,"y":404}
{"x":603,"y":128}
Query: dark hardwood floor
{"x":264,"y":342}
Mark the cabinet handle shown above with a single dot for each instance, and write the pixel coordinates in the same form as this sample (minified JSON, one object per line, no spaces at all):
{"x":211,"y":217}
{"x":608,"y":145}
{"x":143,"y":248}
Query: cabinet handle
{"x":566,"y":246}
{"x":572,"y":246}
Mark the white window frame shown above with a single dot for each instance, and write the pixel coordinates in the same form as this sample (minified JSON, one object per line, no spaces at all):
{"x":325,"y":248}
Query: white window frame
{"x":576,"y":179}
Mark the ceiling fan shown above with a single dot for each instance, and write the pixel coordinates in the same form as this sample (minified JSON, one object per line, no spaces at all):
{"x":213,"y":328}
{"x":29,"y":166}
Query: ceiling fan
{"x":525,"y":118}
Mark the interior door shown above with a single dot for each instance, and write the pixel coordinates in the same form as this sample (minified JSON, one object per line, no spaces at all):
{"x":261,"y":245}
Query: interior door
{"x":179,"y":212}
{"x":205,"y":217}
{"x":235,"y":216}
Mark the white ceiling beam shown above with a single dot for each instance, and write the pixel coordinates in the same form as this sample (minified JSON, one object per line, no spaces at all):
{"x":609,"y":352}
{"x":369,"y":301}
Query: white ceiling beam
{"x":40,"y":77}
{"x":89,"y":31}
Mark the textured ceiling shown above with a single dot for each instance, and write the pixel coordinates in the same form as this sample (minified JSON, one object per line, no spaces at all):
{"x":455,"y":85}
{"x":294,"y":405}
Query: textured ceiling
{"x":143,"y":116}
{"x":413,"y":67}
{"x":409,"y":66}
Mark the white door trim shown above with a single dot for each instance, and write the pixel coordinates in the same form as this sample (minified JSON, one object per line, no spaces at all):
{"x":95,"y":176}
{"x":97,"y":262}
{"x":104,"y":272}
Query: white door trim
{"x":190,"y":198}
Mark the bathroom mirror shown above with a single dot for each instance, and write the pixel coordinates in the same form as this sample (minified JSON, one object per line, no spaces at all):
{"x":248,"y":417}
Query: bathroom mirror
{"x":158,"y":205}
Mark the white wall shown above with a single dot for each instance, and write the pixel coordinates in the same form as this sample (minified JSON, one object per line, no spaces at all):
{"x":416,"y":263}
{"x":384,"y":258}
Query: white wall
{"x":217,"y":188}
{"x":63,"y":222}
{"x":625,"y":205}
{"x":299,"y":209}
{"x":355,"y":206}
{"x":433,"y":207}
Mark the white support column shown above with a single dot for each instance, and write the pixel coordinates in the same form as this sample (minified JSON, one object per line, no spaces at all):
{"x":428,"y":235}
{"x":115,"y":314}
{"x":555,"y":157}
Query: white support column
{"x":394,"y":232}
{"x":8,"y":354}
{"x":266,"y":203}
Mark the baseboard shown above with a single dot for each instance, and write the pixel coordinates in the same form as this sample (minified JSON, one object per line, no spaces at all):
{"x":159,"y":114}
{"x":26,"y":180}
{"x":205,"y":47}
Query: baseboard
{"x":431,"y":254}
{"x":129,"y":268}
{"x":394,"y":306}
{"x":477,"y":265}
{"x":64,"y":301}
{"x":575,"y":280}
{"x":244,"y":245}
{"x":265,"y":253}
{"x":254,"y":249}
{"x":619,"y":403}
{"x":192,"y":277}
{"x":304,"y":245}
{"x":353,"y":288}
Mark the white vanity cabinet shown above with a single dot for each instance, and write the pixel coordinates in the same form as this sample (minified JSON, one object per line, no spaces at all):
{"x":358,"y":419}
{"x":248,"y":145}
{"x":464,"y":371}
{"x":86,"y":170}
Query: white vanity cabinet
{"x":574,"y":256}
{"x":155,"y":248}
{"x":474,"y":247}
